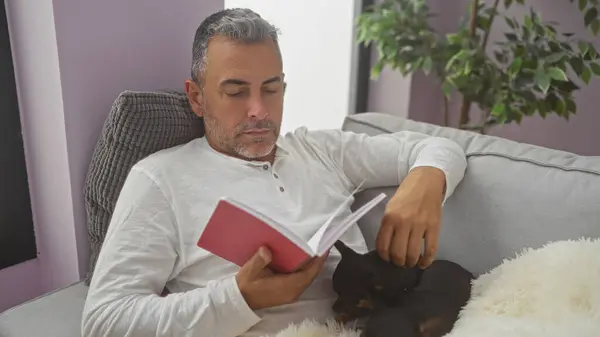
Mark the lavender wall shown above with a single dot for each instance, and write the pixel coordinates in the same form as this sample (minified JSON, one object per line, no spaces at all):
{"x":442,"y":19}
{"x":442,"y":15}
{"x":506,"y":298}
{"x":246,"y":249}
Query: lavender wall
{"x":578,"y":135}
{"x":72,"y":59}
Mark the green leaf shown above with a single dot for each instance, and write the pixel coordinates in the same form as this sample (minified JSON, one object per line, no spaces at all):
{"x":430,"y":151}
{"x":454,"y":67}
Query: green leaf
{"x":560,"y":107}
{"x":517,"y":117}
{"x":584,"y":47}
{"x":571,"y":106}
{"x":499,"y":110}
{"x":461,"y":55}
{"x":590,"y":16}
{"x":376,"y":70}
{"x":427,"y":64}
{"x":582,"y":4}
{"x":515,"y":66}
{"x":528,"y":95}
{"x":557,"y":74}
{"x":528,"y":22}
{"x":507,"y":3}
{"x":542,"y":108}
{"x":510,"y":23}
{"x":553,"y":58}
{"x":595,"y":68}
{"x":595,"y":26}
{"x":592,"y":51}
{"x":454,"y":38}
{"x":543,"y":82}
{"x":577,"y":65}
{"x":484,"y":23}
{"x":447,"y":89}
{"x":586,"y":75}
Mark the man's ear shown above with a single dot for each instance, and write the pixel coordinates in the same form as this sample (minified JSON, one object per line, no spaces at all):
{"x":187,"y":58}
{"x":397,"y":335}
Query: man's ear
{"x":284,"y":82}
{"x":343,"y":249}
{"x":195,"y":97}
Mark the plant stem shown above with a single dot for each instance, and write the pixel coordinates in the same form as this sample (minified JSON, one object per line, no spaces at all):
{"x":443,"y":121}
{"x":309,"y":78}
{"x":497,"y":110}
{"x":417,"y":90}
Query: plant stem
{"x":484,"y":120}
{"x":465,"y":106}
{"x":473,"y":17}
{"x":486,"y":36}
{"x":446,"y":112}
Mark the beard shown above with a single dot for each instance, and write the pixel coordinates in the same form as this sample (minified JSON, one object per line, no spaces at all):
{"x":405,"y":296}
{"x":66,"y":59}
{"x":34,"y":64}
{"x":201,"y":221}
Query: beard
{"x":233,"y":141}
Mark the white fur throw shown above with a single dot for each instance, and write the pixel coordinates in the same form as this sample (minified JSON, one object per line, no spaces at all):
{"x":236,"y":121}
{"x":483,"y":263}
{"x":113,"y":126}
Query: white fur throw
{"x":309,"y":328}
{"x":550,"y":291}
{"x":546,"y":292}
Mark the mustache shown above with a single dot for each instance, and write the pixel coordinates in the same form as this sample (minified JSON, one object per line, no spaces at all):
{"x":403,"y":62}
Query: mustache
{"x":262,"y":124}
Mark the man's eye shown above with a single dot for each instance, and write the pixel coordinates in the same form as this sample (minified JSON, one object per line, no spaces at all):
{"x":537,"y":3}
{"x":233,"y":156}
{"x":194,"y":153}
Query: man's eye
{"x":270,"y":90}
{"x":234,"y":94}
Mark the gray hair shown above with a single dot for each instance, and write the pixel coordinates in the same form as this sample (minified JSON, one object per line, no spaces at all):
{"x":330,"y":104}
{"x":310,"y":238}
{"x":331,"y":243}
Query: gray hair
{"x":240,"y":24}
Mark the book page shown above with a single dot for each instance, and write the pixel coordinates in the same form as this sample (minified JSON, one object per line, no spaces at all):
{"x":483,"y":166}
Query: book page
{"x":317,"y":237}
{"x":336,"y":231}
{"x":274,"y":224}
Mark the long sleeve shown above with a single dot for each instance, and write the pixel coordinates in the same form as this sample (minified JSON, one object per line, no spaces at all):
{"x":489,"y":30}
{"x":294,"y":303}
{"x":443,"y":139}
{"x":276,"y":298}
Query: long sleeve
{"x":136,"y":261}
{"x":386,"y":159}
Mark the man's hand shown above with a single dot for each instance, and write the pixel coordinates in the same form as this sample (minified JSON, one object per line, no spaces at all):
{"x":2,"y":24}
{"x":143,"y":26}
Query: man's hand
{"x":262,"y":288}
{"x":413,"y":214}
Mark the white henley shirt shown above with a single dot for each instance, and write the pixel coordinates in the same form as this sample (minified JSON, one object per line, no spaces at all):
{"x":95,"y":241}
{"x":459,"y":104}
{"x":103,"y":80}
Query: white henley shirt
{"x":169,"y":196}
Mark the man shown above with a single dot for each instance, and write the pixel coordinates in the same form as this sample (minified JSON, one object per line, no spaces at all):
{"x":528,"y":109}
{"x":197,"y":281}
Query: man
{"x":237,"y":86}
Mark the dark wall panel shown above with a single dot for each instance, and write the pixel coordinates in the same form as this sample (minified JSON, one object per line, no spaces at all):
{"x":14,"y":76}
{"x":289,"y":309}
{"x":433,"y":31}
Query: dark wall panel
{"x":17,"y":238}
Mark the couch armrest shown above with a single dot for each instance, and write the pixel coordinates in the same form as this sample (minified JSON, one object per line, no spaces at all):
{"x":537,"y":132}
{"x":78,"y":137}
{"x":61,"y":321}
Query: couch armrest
{"x":56,"y":314}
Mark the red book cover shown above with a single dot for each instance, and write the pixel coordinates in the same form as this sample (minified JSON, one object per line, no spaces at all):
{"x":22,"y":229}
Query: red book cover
{"x":235,"y":234}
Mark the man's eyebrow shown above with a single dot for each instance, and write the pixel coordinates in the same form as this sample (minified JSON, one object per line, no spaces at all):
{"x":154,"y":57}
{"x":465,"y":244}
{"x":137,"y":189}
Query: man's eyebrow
{"x":272,"y":79}
{"x":236,"y":81}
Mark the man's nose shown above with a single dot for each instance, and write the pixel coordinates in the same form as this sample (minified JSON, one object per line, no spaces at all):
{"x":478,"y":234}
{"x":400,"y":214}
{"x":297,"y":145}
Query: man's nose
{"x":257,"y":108}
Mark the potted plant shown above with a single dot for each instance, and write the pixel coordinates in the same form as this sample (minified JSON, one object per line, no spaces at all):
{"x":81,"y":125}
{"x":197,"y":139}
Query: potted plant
{"x":532,"y":70}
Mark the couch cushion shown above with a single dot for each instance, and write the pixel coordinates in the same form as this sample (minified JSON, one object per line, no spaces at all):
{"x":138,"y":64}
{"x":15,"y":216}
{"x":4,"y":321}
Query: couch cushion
{"x":139,"y":124}
{"x":54,"y":314}
{"x":513,"y":196}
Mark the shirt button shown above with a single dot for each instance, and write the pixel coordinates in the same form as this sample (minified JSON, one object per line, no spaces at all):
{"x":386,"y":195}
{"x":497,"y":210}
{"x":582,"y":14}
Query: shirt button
{"x":275,"y":175}
{"x":265,"y":167}
{"x":281,"y":189}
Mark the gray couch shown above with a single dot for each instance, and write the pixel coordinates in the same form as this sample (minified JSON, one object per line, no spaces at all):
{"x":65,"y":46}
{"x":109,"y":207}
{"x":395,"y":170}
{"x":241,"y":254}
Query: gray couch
{"x":513,"y":196}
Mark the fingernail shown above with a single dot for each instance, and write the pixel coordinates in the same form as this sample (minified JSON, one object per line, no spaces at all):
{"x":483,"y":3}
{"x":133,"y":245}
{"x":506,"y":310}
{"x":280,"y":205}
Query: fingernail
{"x":262,"y":252}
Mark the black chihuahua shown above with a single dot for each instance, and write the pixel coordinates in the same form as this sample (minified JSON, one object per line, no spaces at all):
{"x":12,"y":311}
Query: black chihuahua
{"x":399,"y":301}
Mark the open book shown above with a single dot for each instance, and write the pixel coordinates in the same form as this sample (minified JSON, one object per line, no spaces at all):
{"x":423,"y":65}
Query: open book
{"x":235,"y":232}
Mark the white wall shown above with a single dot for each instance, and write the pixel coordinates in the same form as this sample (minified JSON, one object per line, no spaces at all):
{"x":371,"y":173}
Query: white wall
{"x":317,"y":42}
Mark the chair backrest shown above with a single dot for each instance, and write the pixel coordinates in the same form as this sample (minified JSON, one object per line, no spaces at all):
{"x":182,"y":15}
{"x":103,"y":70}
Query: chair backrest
{"x":139,"y":124}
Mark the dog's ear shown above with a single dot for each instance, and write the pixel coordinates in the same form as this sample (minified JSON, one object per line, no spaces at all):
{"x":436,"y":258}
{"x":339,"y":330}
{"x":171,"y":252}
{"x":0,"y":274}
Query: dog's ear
{"x":343,"y":249}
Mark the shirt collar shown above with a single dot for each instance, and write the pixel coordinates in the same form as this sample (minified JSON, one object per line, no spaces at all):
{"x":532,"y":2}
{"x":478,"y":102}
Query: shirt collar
{"x":282,"y":149}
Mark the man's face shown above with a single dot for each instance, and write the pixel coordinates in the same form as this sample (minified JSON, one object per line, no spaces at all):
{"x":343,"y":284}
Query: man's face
{"x":242,"y":97}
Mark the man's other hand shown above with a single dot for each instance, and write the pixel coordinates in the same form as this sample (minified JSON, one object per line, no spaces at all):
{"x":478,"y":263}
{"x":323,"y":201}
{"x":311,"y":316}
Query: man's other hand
{"x":262,"y":288}
{"x":412,"y":215}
